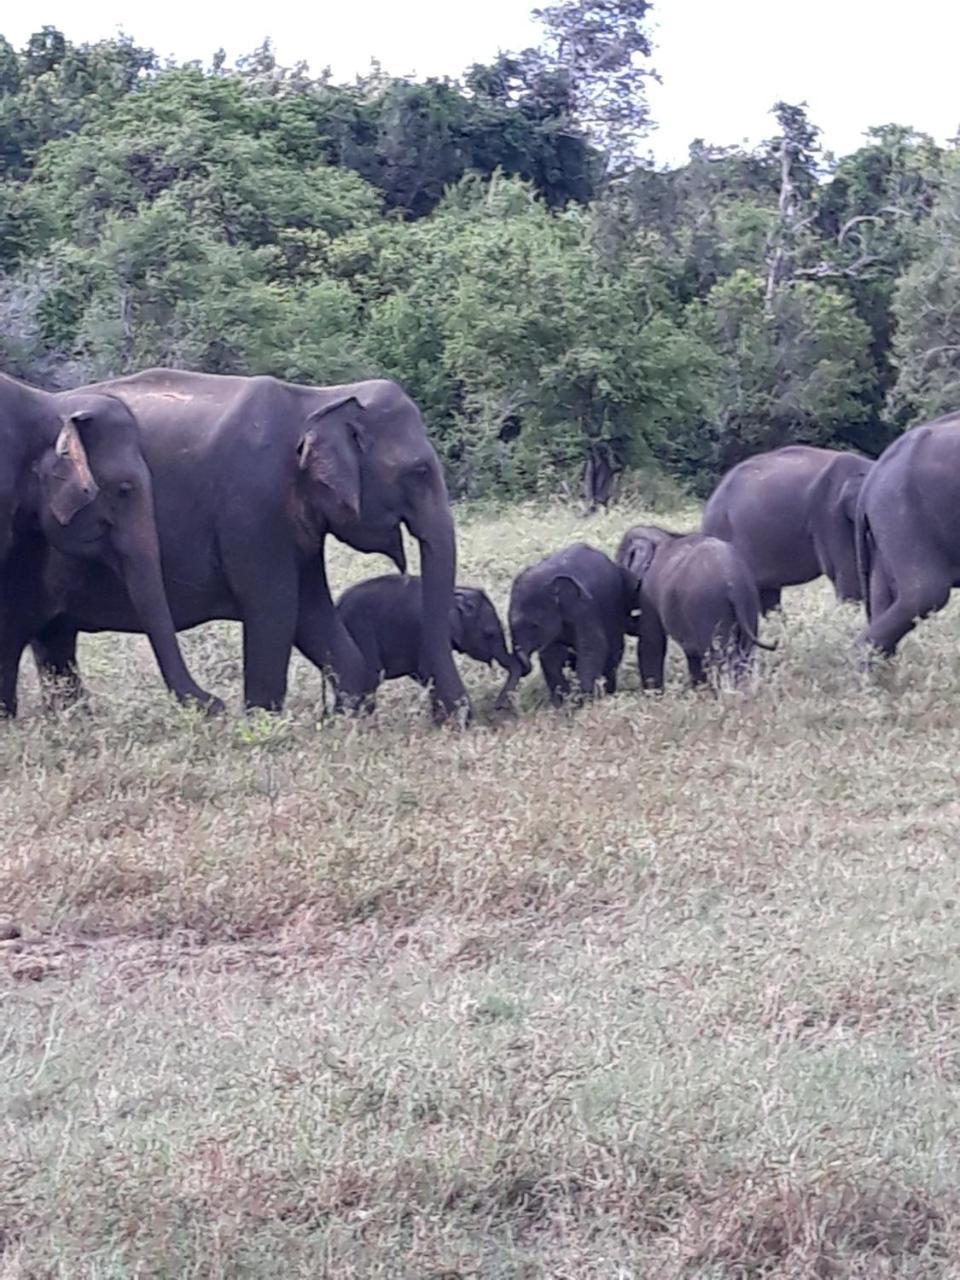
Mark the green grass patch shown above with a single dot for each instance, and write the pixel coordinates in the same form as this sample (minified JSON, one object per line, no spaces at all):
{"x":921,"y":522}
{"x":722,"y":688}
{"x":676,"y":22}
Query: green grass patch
{"x":666,"y":987}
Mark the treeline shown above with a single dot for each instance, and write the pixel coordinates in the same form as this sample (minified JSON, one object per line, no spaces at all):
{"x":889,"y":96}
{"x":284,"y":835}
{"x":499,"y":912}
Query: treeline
{"x":493,"y":243}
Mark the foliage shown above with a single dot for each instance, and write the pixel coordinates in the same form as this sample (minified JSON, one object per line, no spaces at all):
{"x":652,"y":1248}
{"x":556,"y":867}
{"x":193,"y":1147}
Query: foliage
{"x":793,"y":369}
{"x":926,"y":310}
{"x":493,"y":243}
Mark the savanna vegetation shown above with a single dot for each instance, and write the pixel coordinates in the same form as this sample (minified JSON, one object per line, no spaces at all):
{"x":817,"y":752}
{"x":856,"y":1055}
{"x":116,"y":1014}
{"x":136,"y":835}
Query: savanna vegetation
{"x":660,"y":987}
{"x":663,"y":987}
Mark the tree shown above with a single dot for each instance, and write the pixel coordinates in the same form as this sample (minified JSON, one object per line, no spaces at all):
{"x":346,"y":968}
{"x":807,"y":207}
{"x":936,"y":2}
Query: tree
{"x":546,"y":357}
{"x":926,"y":314}
{"x":599,"y":47}
{"x":791,"y":370}
{"x":795,"y":150}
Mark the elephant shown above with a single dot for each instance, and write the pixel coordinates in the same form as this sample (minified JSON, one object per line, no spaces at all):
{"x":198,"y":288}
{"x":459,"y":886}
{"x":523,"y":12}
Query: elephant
{"x":908,"y":532}
{"x":699,"y":591}
{"x":74,"y":481}
{"x":385,"y":615}
{"x":790,"y":513}
{"x":250,"y":476}
{"x":574,"y":607}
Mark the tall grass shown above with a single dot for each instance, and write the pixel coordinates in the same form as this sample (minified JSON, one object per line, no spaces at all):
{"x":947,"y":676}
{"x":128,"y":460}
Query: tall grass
{"x":663,"y":987}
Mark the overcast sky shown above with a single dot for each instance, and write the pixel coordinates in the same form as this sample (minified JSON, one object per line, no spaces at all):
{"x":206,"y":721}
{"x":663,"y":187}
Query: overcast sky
{"x":723,"y":62}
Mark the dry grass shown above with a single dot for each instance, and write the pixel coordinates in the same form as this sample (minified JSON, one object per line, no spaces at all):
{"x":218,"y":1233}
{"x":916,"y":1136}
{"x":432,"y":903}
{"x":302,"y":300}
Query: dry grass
{"x":668,"y":987}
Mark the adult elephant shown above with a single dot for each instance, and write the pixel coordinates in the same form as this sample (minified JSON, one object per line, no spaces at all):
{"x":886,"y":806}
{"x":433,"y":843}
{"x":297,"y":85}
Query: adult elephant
{"x":73,"y":476}
{"x":908,"y":531}
{"x":791,"y":515}
{"x":250,"y":476}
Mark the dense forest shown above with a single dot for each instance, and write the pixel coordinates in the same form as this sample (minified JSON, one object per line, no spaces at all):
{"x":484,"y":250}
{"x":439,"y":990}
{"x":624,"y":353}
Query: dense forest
{"x":496,"y":243}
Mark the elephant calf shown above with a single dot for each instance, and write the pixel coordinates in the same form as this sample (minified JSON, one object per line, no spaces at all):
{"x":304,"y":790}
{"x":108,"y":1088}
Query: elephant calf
{"x":698,"y":590}
{"x":574,"y":608}
{"x":384,"y":617}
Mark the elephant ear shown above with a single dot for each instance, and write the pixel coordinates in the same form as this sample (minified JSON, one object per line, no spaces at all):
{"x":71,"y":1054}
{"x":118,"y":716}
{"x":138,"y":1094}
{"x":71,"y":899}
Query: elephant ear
{"x":849,"y":493}
{"x":69,"y":482}
{"x":638,"y":556}
{"x":570,"y":595}
{"x":463,"y":612}
{"x":329,"y":454}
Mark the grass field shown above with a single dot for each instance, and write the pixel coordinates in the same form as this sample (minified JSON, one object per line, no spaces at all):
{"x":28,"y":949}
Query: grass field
{"x":661,"y":988}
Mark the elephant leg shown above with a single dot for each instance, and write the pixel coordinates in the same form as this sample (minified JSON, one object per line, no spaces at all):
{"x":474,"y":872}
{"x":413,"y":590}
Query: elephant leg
{"x":21,"y":616}
{"x":881,"y":590}
{"x":269,"y":611}
{"x":612,"y":668}
{"x":769,"y":599}
{"x":554,"y":659}
{"x":695,"y":667}
{"x":651,"y":653}
{"x":846,"y":584}
{"x":323,"y":639}
{"x":590,"y":665}
{"x":11,"y":650}
{"x":55,"y":653}
{"x":15,"y":632}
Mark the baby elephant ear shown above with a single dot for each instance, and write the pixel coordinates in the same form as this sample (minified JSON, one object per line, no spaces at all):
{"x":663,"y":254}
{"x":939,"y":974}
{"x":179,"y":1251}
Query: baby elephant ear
{"x":69,"y":482}
{"x":569,"y":594}
{"x":466,"y":602}
{"x":637,"y":556}
{"x":463,"y":609}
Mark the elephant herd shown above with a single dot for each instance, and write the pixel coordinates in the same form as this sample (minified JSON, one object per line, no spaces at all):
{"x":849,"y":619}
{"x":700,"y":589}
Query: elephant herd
{"x":155,"y":502}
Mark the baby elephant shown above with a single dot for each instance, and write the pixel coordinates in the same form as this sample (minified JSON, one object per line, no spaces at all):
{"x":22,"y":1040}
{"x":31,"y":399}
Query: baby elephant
{"x":383,"y":617}
{"x":698,"y":590}
{"x":574,"y":607}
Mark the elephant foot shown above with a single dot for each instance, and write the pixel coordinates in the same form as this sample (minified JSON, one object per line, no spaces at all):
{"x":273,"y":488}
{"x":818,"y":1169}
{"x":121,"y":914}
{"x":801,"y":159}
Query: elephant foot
{"x":357,"y":706}
{"x":460,"y":715}
{"x":208,"y":703}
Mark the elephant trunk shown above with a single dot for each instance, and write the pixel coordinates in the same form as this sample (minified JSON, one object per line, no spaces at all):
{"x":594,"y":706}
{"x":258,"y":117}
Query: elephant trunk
{"x":519,"y":668}
{"x":503,"y":657}
{"x":432,"y":526}
{"x":139,"y":559}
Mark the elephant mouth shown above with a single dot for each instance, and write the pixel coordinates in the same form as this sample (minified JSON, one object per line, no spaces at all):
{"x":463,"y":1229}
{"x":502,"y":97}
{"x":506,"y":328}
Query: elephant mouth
{"x":389,"y":543}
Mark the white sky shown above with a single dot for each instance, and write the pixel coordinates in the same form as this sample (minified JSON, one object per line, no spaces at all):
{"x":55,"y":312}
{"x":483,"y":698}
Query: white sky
{"x":724,"y":62}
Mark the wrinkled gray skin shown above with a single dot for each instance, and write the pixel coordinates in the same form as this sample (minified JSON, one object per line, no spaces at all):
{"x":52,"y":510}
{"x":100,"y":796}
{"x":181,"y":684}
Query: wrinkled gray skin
{"x":250,"y":476}
{"x":790,"y":513}
{"x":573,"y":608}
{"x":698,"y":591}
{"x":73,"y":477}
{"x":908,"y":532}
{"x":384,"y":617}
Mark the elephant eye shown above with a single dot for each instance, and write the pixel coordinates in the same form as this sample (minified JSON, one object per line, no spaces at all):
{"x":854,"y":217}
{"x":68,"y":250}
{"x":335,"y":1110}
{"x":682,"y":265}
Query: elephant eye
{"x":124,"y":488}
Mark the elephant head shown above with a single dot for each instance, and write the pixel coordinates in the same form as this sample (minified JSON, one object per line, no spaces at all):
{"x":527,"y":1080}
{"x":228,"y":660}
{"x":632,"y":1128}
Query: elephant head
{"x":833,"y":517}
{"x":638,"y":549}
{"x":635,"y":556}
{"x":96,"y":502}
{"x":365,"y":468}
{"x":476,"y":629}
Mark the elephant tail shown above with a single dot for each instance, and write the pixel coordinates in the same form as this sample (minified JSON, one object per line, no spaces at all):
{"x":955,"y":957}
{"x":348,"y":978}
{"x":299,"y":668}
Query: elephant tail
{"x":746,"y":606}
{"x":864,"y":547}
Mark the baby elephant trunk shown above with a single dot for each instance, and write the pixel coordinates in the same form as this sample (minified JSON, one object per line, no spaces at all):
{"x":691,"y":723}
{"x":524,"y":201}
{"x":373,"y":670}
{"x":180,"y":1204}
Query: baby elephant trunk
{"x":518,"y":668}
